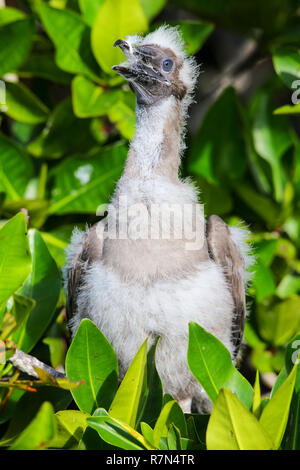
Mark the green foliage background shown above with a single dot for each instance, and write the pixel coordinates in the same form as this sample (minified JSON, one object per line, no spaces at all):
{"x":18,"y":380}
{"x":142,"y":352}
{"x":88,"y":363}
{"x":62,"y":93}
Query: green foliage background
{"x":65,"y":124}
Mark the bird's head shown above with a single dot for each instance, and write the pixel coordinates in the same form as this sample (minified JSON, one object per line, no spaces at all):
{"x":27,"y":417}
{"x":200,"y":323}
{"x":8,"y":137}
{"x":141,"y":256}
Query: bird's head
{"x":157,"y":66}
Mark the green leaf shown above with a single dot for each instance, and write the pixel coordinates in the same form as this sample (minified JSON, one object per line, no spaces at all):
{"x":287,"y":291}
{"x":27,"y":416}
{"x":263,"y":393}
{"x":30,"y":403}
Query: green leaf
{"x":263,"y":281}
{"x":39,"y":432}
{"x":210,"y":362}
{"x":15,"y":169}
{"x":124,"y":118}
{"x":154,"y":393}
{"x":15,"y":256}
{"x":89,"y":9}
{"x":275,"y":414}
{"x":256,"y":405}
{"x":216,"y":198}
{"x":116,"y":433}
{"x":28,"y":406}
{"x":22,"y":306}
{"x":92,"y":359}
{"x":64,"y":133}
{"x":174,"y":438}
{"x":14,"y":52}
{"x":127,"y":401}
{"x":82,"y":184}
{"x":161,"y":426}
{"x":43,"y":285}
{"x":271,"y":136}
{"x":115,"y":20}
{"x":43,"y":66}
{"x":70,"y":35}
{"x":214,"y":154}
{"x":233,"y":427}
{"x":292,"y":109}
{"x":23,"y":105}
{"x":70,"y":425}
{"x":57,"y":241}
{"x":291,"y":438}
{"x":278,"y":322}
{"x":261,"y":205}
{"x":152,"y":7}
{"x":288,"y":286}
{"x":8,"y":15}
{"x":90,"y":100}
{"x":194,"y":34}
{"x":287,"y":64}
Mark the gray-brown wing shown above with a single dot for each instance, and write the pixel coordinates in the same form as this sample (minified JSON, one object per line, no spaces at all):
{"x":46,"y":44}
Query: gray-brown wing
{"x":226,"y":254}
{"x":91,"y":250}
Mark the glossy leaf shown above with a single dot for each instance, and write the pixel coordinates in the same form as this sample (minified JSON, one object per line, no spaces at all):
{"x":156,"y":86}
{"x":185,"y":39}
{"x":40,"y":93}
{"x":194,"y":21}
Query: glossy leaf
{"x":153,"y":396}
{"x":15,"y":256}
{"x":15,"y":51}
{"x":275,"y":414}
{"x":214,"y":154}
{"x":278,"y":322}
{"x":170,"y":414}
{"x":271,"y":137}
{"x":43,"y":285}
{"x":115,"y":20}
{"x":127,"y":401}
{"x":15,"y":169}
{"x":152,"y":7}
{"x":70,"y":35}
{"x":287,"y":64}
{"x":63,"y":134}
{"x":89,"y":9}
{"x":233,"y":427}
{"x":210,"y":362}
{"x":256,"y":405}
{"x":39,"y":432}
{"x":194,"y":34}
{"x":116,"y":433}
{"x":82,"y":184}
{"x":91,"y":359}
{"x":70,"y":425}
{"x":90,"y":100}
{"x":23,"y":105}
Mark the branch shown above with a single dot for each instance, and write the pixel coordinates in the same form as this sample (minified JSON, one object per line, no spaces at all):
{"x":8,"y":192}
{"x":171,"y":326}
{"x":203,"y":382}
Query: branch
{"x":26,"y":363}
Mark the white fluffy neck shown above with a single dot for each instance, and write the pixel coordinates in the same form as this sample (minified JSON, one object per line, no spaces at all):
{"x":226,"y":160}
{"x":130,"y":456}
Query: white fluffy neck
{"x":155,"y":125}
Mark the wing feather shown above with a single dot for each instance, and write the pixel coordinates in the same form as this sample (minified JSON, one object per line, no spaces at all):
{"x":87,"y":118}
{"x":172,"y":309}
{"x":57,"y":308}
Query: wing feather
{"x":91,"y":250}
{"x":226,"y":254}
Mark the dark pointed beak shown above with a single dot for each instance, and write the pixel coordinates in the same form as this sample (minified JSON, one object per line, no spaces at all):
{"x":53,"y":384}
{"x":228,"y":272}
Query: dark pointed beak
{"x":123,"y":45}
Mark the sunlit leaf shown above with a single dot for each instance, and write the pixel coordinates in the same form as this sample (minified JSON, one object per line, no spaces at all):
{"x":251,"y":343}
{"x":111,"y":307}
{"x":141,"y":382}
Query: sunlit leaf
{"x":43,"y":285}
{"x":70,"y":35}
{"x":115,"y":20}
{"x":211,"y":364}
{"x":233,"y":427}
{"x":23,"y":105}
{"x":275,"y":414}
{"x":92,"y":359}
{"x":39,"y":432}
{"x":15,"y":169}
{"x":14,"y":52}
{"x":15,"y":256}
{"x":82,"y":184}
{"x":127,"y":401}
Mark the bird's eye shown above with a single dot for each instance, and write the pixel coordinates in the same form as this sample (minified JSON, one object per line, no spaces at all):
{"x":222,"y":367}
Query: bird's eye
{"x":167,"y":65}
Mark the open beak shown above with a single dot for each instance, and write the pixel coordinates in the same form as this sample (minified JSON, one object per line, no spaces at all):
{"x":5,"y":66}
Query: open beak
{"x":136,"y":68}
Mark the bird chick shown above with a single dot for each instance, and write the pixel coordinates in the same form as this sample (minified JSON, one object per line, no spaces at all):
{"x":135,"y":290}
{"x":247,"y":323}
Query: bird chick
{"x":150,"y":281}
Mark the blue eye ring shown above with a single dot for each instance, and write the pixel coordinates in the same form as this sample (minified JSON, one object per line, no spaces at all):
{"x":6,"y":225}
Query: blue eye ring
{"x":167,"y":64}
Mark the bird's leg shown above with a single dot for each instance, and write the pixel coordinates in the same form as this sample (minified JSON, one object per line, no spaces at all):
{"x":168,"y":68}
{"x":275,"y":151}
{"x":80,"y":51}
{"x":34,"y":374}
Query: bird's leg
{"x":185,"y":404}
